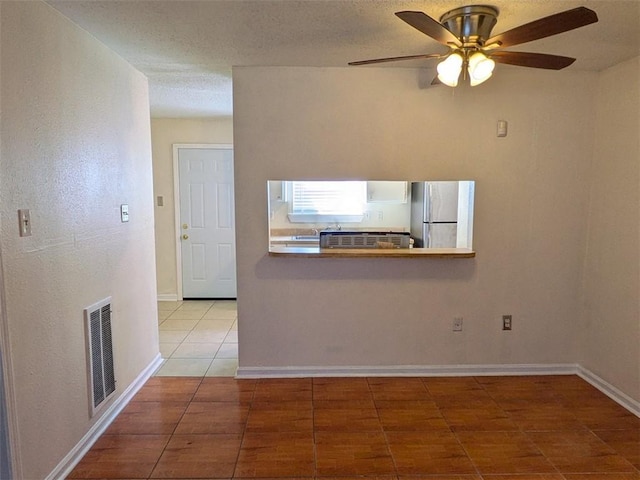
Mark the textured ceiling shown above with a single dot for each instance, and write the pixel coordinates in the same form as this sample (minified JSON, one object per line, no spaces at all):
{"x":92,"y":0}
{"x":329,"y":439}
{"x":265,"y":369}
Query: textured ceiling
{"x":187,"y":48}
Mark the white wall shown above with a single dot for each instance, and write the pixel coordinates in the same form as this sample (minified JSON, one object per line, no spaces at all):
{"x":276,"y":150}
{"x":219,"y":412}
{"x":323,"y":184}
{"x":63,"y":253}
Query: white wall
{"x":530,"y":216}
{"x":75,"y":145}
{"x":610,"y":332}
{"x":164,"y":133}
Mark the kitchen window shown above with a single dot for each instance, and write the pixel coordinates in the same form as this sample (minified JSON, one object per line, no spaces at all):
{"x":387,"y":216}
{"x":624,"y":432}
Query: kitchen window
{"x":334,"y":201}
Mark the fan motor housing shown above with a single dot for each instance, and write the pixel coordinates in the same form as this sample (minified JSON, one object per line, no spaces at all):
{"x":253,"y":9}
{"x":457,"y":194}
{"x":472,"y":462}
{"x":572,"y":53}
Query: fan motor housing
{"x":472,"y":24}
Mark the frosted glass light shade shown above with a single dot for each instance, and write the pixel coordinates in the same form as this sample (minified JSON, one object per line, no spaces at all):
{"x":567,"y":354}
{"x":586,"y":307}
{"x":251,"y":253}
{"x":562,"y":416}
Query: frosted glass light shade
{"x":480,"y":68}
{"x":449,"y":69}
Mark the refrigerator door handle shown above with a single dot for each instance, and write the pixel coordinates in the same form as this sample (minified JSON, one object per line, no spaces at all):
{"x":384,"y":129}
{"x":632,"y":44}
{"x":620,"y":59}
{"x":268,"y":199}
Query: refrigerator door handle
{"x":425,"y":202}
{"x":428,"y":203}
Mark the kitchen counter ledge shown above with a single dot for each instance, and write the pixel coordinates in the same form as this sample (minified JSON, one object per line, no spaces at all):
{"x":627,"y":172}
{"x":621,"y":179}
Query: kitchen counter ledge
{"x":317,"y":252}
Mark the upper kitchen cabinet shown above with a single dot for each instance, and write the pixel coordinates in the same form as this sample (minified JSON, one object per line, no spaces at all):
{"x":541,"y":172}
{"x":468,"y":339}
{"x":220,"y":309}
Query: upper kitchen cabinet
{"x":387,"y":192}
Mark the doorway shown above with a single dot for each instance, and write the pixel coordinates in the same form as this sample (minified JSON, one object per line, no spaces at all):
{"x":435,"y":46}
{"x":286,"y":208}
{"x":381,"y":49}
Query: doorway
{"x":205,"y":221}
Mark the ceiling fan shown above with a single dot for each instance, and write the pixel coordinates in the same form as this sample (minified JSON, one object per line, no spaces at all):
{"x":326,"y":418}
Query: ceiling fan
{"x":466,"y":31}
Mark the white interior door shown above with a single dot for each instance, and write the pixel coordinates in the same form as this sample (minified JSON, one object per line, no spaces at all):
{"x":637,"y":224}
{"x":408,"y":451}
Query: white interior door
{"x":207,"y":223}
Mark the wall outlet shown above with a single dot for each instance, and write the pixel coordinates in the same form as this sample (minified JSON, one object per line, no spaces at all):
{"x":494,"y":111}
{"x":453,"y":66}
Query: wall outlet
{"x":457,"y":324}
{"x":506,"y":322}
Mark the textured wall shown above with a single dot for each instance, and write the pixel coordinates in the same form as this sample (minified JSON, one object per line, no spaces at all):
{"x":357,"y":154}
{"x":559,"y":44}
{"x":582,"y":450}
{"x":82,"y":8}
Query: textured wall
{"x":611,"y":328}
{"x":164,"y":133}
{"x":75,"y":145}
{"x":530,"y":216}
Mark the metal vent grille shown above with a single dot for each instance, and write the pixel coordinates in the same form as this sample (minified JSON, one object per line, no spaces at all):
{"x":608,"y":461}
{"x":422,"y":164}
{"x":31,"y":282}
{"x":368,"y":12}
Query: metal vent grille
{"x":364,"y":240}
{"x":100,"y":372}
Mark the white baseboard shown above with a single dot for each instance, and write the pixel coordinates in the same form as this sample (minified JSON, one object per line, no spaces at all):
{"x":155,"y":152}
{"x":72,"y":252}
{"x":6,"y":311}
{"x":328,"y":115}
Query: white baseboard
{"x":167,"y":297}
{"x":610,"y":391}
{"x":82,"y":447}
{"x":406,"y":371}
{"x":75,"y":455}
{"x":446,"y":371}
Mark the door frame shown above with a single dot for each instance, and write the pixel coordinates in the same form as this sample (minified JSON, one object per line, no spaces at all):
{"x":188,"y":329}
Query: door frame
{"x":7,"y":392}
{"x":176,"y":200}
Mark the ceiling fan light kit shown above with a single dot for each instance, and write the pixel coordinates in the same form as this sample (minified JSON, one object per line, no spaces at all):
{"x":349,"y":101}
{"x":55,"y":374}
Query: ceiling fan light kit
{"x":449,"y":69}
{"x":480,"y":68}
{"x":466,"y":31}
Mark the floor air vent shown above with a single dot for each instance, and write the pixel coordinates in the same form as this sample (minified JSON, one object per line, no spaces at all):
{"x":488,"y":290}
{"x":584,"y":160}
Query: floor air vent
{"x":102,"y":382}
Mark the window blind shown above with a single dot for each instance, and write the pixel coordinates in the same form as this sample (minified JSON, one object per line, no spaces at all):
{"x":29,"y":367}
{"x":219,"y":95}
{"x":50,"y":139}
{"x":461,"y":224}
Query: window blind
{"x":328,"y":198}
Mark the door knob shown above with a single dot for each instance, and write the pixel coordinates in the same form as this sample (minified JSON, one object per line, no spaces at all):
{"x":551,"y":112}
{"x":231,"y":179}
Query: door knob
{"x":185,"y":236}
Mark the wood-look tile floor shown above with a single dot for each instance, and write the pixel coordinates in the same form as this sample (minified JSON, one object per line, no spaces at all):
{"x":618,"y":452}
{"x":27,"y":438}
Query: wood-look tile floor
{"x":465,"y":428}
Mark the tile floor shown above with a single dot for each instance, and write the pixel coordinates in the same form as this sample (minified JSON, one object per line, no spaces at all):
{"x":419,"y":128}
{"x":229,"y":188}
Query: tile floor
{"x":484,"y":428}
{"x":198,"y":338}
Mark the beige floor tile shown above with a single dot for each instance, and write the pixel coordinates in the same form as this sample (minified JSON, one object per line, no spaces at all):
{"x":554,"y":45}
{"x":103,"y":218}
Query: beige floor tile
{"x":173,"y":336}
{"x":205,"y":336}
{"x":171,"y":324}
{"x":186,"y":315}
{"x":226,"y":304}
{"x":184,"y":367}
{"x":228,"y":350}
{"x":168,"y":306}
{"x":222,"y":367}
{"x":215,"y":313}
{"x":192,"y":332}
{"x":196,"y":350}
{"x":201,"y":305}
{"x":222,"y":325}
{"x":166,"y":349}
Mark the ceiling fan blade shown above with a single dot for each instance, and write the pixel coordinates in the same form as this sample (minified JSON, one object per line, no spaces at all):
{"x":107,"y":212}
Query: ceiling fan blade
{"x":394,"y":59}
{"x":429,"y":26}
{"x":533,"y":60}
{"x":545,"y":27}
{"x":436,"y":81}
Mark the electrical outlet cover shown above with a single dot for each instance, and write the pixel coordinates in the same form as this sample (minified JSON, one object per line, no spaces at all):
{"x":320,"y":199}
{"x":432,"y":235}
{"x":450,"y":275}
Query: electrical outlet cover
{"x":457,"y":324}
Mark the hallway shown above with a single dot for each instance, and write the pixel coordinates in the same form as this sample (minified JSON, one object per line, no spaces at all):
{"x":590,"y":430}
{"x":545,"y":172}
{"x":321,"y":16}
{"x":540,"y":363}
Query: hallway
{"x":198,"y":338}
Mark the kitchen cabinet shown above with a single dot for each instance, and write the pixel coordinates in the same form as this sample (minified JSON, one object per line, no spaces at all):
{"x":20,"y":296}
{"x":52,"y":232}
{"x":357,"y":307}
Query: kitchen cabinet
{"x":387,"y":192}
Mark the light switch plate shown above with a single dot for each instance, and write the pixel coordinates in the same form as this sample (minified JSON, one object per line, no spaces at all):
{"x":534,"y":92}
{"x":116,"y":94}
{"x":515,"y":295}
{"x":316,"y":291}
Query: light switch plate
{"x":24,"y":217}
{"x":501,"y":128}
{"x":124,"y":212}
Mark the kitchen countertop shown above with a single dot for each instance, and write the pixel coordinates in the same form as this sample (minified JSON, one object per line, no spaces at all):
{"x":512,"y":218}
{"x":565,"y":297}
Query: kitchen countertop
{"x":317,"y":252}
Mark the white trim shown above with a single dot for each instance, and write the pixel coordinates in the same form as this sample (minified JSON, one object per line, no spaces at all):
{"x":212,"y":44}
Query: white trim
{"x":8,"y":384}
{"x":68,"y":463}
{"x":407,"y":371}
{"x":609,"y":390}
{"x":75,"y":455}
{"x":168,"y":297}
{"x":605,"y":387}
{"x":176,"y":201}
{"x":176,"y":220}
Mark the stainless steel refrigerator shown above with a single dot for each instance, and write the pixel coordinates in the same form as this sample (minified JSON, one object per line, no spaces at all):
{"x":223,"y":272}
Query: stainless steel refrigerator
{"x":434,"y":214}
